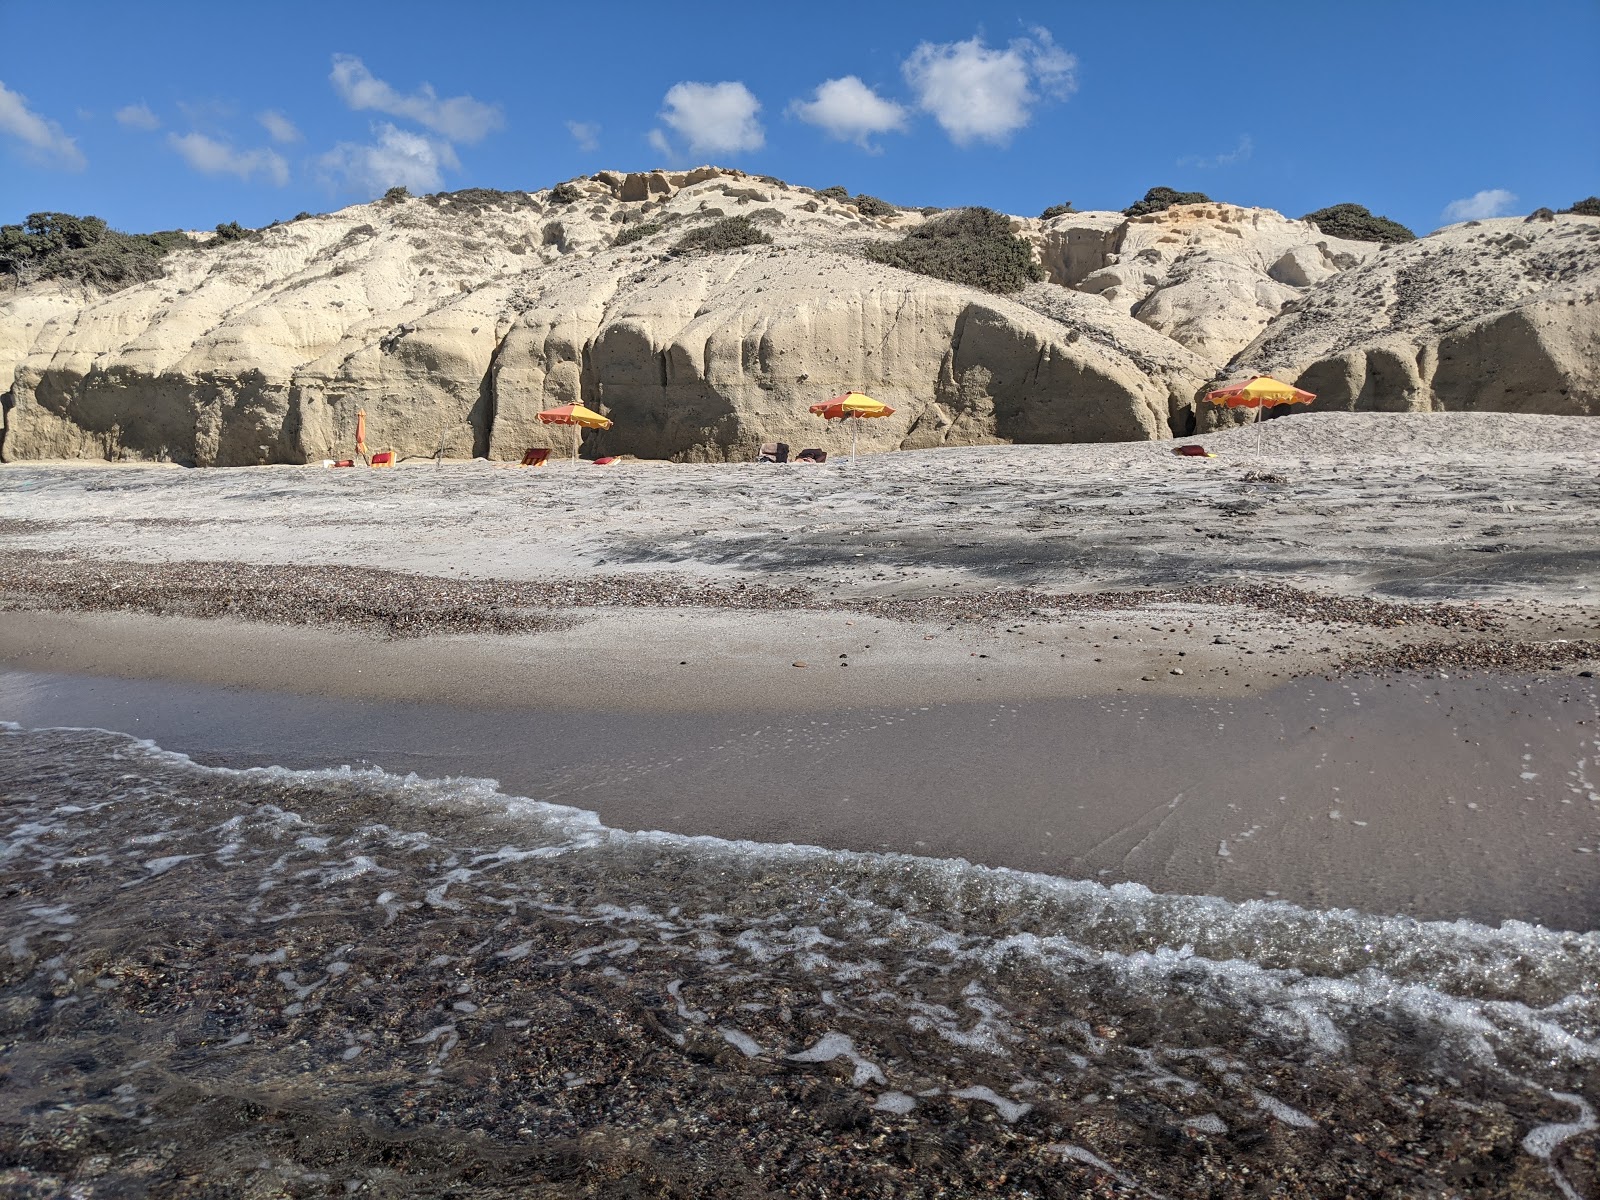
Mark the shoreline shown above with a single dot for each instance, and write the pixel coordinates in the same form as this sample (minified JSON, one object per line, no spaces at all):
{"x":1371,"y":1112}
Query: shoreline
{"x":1388,"y":794}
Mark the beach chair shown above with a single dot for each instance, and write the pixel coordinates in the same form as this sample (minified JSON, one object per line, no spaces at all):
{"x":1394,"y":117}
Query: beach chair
{"x":383,"y":458}
{"x":812,"y":456}
{"x":774,"y":452}
{"x":534,"y":456}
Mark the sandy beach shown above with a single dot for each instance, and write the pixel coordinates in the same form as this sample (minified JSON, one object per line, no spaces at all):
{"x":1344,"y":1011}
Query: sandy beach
{"x":1344,"y":670}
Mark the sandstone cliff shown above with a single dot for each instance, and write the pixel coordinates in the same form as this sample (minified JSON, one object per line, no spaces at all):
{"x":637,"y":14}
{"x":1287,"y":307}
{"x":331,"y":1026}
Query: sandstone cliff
{"x":1490,"y":316}
{"x":452,"y":320}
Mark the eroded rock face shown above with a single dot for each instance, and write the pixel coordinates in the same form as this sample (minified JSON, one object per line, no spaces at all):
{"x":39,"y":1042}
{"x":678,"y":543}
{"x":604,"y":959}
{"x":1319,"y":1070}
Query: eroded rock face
{"x":1500,"y":315}
{"x":1209,"y":276}
{"x":451,"y":321}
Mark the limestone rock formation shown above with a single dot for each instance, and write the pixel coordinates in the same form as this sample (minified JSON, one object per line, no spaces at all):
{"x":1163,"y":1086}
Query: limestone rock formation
{"x":452,"y":320}
{"x":1209,"y":276}
{"x":1488,"y":316}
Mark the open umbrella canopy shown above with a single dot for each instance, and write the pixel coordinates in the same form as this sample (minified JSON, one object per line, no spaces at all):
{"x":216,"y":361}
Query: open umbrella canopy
{"x":575,"y":414}
{"x":1260,"y":391}
{"x":852,"y":405}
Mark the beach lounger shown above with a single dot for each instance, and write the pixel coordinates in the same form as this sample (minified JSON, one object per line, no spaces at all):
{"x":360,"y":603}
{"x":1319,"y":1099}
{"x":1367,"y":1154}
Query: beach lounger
{"x":774,"y":452}
{"x":812,"y":456}
{"x":534,"y":456}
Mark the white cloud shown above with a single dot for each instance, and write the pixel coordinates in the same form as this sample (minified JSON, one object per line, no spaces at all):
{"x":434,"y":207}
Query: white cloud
{"x":399,"y":158}
{"x":716,"y":118}
{"x":211,"y":157}
{"x":279,"y":127}
{"x":980,"y":94}
{"x":42,"y":140}
{"x":1240,"y":153}
{"x":1491,"y":203}
{"x":850,"y":111}
{"x":658,"y":143}
{"x":138,"y":116}
{"x":459,"y":118}
{"x":586,"y":134}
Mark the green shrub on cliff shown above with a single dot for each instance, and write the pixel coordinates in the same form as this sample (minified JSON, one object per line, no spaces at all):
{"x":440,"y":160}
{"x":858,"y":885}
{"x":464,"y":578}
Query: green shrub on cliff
{"x":638,"y":231}
{"x":52,"y":245}
{"x":1158,"y":199}
{"x":871,"y":206}
{"x":730,"y":233}
{"x":1056,"y":210}
{"x":835,"y":193}
{"x":1589,"y":207}
{"x":566,"y":193}
{"x":1353,"y":221}
{"x":972,"y":246}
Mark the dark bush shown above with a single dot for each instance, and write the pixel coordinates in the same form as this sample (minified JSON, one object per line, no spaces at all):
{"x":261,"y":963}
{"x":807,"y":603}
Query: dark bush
{"x":1056,"y":210}
{"x":232,"y":231}
{"x":477,"y":201}
{"x":62,"y":246}
{"x":1589,"y":207}
{"x":1354,"y":222}
{"x":1158,"y":199}
{"x":835,"y":193}
{"x":972,"y":246}
{"x":396,"y":194}
{"x":730,"y":233}
{"x":637,"y":232}
{"x":871,"y":206}
{"x":566,"y":193}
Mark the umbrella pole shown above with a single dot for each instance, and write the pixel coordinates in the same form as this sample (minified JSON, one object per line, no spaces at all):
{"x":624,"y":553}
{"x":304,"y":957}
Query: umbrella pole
{"x":854,"y":426}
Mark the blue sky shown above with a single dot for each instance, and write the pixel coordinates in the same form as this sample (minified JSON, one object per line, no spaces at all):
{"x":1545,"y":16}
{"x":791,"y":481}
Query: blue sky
{"x":179,"y":114}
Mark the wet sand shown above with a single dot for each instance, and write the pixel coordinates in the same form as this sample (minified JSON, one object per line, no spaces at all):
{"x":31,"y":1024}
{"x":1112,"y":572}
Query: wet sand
{"x":1473,"y":797}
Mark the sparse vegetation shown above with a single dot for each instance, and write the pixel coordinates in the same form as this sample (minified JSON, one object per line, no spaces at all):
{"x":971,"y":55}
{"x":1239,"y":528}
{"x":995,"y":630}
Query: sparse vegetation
{"x":396,"y":194}
{"x":566,"y":193}
{"x":835,"y":193}
{"x":871,"y":206}
{"x":1159,"y":199}
{"x":1588,"y":207}
{"x":637,"y":232}
{"x":52,"y":245}
{"x":972,"y":246}
{"x":1353,"y":221}
{"x":1056,"y":210}
{"x":476,"y":201}
{"x":730,"y":233}
{"x":232,"y":231}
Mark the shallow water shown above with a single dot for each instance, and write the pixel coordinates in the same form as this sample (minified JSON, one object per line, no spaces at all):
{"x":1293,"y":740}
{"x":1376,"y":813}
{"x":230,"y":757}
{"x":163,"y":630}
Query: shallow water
{"x":347,"y":982}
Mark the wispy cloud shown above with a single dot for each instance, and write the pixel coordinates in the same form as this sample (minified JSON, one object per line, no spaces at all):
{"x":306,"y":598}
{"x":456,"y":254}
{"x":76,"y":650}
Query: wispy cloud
{"x":210,"y":156}
{"x":1240,"y":153}
{"x":43,"y":141}
{"x":279,"y":128}
{"x":850,"y":111}
{"x":981,"y":94}
{"x":586,"y":134}
{"x":138,"y":116}
{"x":459,"y":118}
{"x":1493,"y":202}
{"x":397,"y":158}
{"x":714,"y":118}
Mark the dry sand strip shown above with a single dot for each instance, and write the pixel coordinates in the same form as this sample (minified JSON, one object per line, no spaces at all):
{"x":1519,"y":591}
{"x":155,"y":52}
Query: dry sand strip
{"x":670,"y":642}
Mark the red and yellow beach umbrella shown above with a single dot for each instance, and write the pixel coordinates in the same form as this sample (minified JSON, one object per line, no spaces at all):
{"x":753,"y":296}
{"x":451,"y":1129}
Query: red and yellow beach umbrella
{"x":575,"y":414}
{"x":852,"y":406}
{"x":1256,"y":393}
{"x":1259,"y":391}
